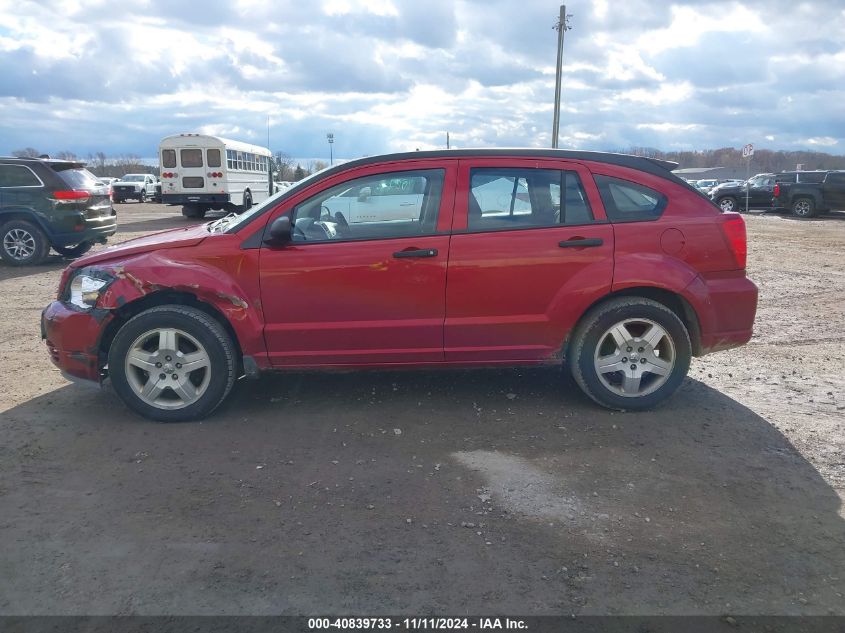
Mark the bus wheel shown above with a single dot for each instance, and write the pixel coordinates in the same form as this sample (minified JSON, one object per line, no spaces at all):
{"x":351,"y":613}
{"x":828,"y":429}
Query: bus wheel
{"x":247,"y":205}
{"x":193,"y":211}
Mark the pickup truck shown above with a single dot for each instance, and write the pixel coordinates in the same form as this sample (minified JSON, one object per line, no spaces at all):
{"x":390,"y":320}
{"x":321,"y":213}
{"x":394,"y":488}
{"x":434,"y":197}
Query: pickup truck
{"x":140,"y":187}
{"x":807,"y":199}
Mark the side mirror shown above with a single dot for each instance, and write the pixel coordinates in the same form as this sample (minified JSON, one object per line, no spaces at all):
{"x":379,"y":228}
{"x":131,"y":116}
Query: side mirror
{"x":364,"y":194}
{"x":280,"y":230}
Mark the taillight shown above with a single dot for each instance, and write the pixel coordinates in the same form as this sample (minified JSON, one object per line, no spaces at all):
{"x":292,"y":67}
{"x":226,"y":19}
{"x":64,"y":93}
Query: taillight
{"x":733,"y":227}
{"x":169,"y":174}
{"x":776,"y":192}
{"x":71,"y":196}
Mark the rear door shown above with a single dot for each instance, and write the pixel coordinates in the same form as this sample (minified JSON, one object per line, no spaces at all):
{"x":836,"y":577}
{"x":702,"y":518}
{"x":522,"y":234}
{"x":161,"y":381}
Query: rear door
{"x":531,"y":248}
{"x":833,"y":191}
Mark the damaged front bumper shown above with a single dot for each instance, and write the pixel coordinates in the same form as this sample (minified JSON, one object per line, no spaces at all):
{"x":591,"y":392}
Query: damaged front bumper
{"x":72,"y":338}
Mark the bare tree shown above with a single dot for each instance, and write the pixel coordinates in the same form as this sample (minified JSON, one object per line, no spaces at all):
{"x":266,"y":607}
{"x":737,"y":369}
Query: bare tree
{"x":26,"y":152}
{"x":66,"y":155}
{"x":284,"y":166}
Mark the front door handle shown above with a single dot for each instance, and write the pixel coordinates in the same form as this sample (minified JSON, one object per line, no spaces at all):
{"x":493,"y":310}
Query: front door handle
{"x":424,"y":252}
{"x":581,"y":242}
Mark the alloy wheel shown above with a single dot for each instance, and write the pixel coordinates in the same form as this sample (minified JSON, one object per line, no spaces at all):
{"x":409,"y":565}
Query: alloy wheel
{"x":634,"y":357}
{"x":19,"y":244}
{"x":168,"y":368}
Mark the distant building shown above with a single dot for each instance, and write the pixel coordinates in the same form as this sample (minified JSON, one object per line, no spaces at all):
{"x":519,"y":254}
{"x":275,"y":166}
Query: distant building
{"x":716,"y":173}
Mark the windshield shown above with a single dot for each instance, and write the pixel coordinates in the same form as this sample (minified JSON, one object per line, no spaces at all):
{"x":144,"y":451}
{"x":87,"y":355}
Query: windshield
{"x":79,"y":179}
{"x":133,"y":178}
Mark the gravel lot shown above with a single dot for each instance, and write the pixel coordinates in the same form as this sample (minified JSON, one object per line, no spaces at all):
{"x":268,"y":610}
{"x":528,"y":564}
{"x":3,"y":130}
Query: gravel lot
{"x":451,"y":492}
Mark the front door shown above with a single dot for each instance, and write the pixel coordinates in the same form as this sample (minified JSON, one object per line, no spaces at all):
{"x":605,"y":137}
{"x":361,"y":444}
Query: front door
{"x":365,"y":292}
{"x":531,"y":249}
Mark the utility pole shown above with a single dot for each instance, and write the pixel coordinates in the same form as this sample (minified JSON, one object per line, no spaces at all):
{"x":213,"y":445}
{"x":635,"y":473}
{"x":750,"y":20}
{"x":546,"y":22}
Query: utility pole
{"x":330,"y":138}
{"x":447,"y":140}
{"x":561,"y":27}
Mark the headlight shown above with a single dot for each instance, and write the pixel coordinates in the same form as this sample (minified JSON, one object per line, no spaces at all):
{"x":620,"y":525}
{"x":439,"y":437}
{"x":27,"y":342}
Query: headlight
{"x":85,"y":290}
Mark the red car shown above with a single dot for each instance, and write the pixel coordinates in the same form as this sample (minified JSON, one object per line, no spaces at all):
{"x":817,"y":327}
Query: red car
{"x":606,"y":262}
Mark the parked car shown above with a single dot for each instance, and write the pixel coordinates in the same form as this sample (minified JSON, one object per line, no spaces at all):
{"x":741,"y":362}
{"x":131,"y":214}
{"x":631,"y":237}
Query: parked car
{"x":51,"y":203}
{"x":811,"y":193}
{"x":107,"y":180}
{"x":758,"y":189}
{"x":615,"y":266}
{"x":706,"y":185}
{"x":138,"y":187}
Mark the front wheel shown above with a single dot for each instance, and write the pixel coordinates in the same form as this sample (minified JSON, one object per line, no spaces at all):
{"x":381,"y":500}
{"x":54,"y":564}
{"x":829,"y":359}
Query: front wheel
{"x":804,"y":208}
{"x":630,"y":353}
{"x":142,"y":197}
{"x":172,"y":363}
{"x":74,"y":251}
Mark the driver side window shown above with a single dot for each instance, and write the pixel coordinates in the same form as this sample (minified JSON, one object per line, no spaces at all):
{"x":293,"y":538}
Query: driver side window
{"x":382,"y":206}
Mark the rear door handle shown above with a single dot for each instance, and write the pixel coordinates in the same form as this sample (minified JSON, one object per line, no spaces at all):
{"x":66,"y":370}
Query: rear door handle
{"x":581,"y":242}
{"x":425,"y":252}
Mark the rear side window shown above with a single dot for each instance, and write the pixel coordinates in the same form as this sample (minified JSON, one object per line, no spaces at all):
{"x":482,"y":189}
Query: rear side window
{"x":79,"y":178}
{"x":836,"y":179}
{"x":18,"y":176}
{"x":626,"y":201}
{"x":213,"y":157}
{"x":811,"y":176}
{"x":525,"y":198}
{"x":168,"y":158}
{"x":191,"y":157}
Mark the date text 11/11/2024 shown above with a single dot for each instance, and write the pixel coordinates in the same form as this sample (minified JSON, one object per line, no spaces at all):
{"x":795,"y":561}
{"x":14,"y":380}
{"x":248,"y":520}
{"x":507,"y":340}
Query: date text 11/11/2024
{"x":416,"y":624}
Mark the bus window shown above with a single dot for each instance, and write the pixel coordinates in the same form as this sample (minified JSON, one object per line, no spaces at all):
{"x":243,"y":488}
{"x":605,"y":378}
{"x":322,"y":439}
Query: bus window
{"x":213,"y":157}
{"x":230,"y":158}
{"x":168,"y":158}
{"x":191,"y":157}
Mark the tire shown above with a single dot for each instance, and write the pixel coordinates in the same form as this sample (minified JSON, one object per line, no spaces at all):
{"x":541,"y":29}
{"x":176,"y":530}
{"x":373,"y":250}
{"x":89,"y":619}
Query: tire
{"x":181,"y":330}
{"x":22,"y":243}
{"x":727,"y":204}
{"x":597,"y":339}
{"x":804,"y":208}
{"x":117,"y":200}
{"x":142,"y":197}
{"x":193,"y":211}
{"x":74,"y":251}
{"x":247,"y":205}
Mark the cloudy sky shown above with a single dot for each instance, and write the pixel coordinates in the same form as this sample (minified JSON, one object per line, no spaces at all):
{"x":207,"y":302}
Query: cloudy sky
{"x":387,"y":75}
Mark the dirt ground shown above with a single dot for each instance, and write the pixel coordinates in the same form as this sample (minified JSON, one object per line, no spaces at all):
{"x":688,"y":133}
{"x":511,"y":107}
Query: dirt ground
{"x":483,"y":492}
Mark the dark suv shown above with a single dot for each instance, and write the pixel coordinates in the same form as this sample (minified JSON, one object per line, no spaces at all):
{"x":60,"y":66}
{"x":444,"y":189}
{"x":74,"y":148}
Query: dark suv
{"x":51,"y":203}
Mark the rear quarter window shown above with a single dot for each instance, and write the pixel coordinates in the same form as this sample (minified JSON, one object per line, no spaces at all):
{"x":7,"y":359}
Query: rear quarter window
{"x":626,"y":201}
{"x":18,"y":176}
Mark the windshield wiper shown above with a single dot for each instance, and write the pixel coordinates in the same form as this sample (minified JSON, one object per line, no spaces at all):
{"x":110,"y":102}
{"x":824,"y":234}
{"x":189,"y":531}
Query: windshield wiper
{"x":219,"y":225}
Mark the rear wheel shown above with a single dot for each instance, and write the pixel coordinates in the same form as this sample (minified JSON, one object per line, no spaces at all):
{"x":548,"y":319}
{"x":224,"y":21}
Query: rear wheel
{"x":172,"y":363}
{"x":727,"y":204}
{"x":247,"y":205}
{"x":74,"y":251}
{"x":630,"y":353}
{"x":804,"y":208}
{"x":193,"y":211}
{"x":23,"y":244}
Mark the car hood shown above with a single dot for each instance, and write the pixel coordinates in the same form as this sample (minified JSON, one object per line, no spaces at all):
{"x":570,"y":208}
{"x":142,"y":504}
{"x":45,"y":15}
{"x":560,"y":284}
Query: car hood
{"x":727,"y":189}
{"x":172,"y":238}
